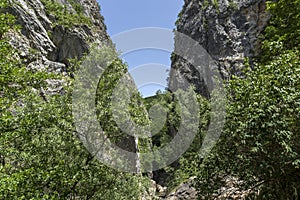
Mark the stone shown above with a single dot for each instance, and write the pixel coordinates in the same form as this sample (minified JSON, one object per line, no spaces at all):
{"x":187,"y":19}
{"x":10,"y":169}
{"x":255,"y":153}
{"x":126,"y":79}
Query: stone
{"x":227,"y":31}
{"x":48,"y":46}
{"x":185,"y":191}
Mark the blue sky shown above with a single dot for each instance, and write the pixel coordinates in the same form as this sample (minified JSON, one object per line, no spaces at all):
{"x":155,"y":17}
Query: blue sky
{"x":125,"y":15}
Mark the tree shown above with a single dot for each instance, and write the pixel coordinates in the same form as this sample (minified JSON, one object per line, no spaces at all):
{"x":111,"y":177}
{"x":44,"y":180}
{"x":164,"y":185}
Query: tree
{"x":41,"y":156}
{"x":260,"y":142}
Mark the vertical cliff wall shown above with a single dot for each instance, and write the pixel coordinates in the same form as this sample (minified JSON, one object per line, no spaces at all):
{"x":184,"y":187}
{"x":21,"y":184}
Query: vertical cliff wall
{"x":53,"y":32}
{"x":227,"y":29}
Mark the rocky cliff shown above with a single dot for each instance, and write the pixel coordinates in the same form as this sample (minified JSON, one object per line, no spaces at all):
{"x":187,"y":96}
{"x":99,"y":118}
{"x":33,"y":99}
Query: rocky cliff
{"x":54,"y":32}
{"x":227,"y":29}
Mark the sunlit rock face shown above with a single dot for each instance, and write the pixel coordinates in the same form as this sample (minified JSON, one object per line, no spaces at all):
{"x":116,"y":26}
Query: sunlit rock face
{"x":228,"y":30}
{"x":45,"y":43}
{"x":55,"y":33}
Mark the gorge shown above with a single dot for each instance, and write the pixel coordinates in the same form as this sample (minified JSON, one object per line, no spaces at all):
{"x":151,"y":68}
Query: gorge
{"x":253,"y":44}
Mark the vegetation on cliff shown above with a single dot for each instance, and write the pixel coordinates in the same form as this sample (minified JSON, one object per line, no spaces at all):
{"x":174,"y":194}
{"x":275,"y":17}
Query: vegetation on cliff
{"x":260,"y":142}
{"x":64,"y":16}
{"x":41,"y":156}
{"x":259,"y":146}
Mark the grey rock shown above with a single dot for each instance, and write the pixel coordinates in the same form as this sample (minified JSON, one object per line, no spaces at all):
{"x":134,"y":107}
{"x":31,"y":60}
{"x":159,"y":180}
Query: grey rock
{"x":32,"y":27}
{"x":229,"y":33}
{"x":44,"y":44}
{"x":185,"y":191}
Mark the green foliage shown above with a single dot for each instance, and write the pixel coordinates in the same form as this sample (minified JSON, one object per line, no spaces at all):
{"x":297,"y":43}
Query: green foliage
{"x":233,"y":4}
{"x":190,"y":160}
{"x":215,"y":3}
{"x":283,"y":30}
{"x":64,"y":16}
{"x":106,"y":87}
{"x":6,"y":20}
{"x":42,"y":158}
{"x":40,"y":154}
{"x":260,"y":141}
{"x":165,"y":100}
{"x":120,"y":109}
{"x":188,"y":164}
{"x":205,"y":5}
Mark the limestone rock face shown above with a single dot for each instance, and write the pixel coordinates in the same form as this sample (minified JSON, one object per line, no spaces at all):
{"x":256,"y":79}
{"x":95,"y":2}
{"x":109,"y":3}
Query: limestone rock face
{"x":227,"y":29}
{"x":46,"y":44}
